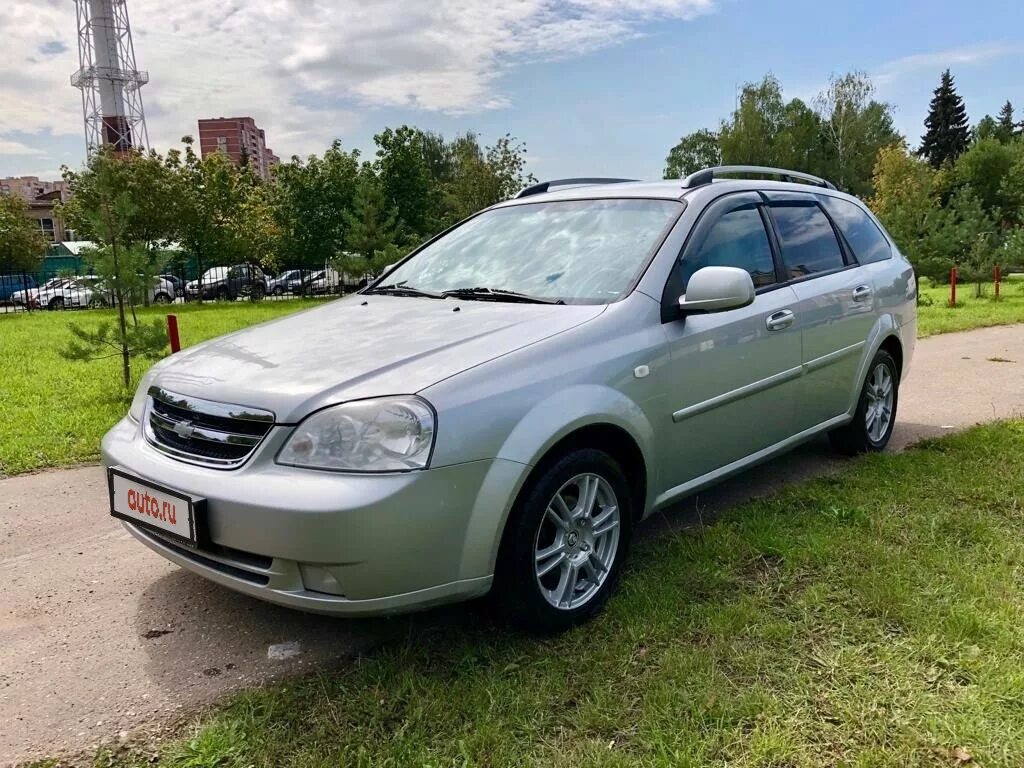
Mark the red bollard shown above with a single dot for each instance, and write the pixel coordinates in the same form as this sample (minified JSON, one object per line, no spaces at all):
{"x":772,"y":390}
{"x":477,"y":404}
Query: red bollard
{"x":172,"y":333}
{"x":998,"y":276}
{"x":952,"y":287}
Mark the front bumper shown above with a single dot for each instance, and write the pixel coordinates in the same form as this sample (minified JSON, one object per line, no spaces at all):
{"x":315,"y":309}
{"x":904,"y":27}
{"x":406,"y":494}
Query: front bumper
{"x":328,"y":542}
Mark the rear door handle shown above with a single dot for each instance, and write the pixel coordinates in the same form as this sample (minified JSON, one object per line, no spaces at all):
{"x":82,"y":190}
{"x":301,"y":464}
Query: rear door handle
{"x":862,"y":293}
{"x":779,"y":320}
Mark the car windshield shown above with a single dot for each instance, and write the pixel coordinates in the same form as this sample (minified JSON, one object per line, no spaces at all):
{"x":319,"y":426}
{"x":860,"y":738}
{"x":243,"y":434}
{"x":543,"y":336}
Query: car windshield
{"x":576,"y":251}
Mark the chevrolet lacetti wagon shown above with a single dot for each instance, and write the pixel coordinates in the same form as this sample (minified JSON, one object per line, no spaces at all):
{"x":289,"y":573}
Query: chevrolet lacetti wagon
{"x":498,"y":411}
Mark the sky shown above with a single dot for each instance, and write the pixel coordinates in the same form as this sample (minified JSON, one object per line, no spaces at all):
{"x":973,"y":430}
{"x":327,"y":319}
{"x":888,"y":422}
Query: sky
{"x":592,"y":87}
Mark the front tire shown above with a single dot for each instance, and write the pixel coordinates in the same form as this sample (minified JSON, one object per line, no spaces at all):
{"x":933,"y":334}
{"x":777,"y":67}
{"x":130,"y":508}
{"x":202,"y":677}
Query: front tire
{"x":875,"y":417}
{"x":565,"y":543}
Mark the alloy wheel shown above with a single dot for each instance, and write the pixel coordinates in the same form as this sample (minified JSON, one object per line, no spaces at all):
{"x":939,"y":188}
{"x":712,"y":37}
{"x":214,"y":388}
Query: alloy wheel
{"x":878,"y":414}
{"x":576,"y":541}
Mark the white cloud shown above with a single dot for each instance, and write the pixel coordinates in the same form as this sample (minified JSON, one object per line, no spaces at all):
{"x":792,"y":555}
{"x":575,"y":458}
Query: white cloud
{"x":308,"y":70}
{"x":965,"y":56}
{"x":11,"y":147}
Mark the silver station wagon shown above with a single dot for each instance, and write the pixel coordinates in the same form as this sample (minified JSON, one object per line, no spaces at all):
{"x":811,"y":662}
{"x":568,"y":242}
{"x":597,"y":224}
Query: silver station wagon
{"x":498,"y":411}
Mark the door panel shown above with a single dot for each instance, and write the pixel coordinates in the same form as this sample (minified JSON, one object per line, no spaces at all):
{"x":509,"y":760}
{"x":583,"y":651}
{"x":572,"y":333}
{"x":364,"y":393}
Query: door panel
{"x":836,"y":305}
{"x":835,"y":330}
{"x":734,"y":385}
{"x":733,"y":376}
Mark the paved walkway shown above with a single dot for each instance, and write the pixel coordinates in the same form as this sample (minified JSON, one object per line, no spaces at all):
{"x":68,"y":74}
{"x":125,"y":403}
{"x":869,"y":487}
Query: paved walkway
{"x":99,"y":636}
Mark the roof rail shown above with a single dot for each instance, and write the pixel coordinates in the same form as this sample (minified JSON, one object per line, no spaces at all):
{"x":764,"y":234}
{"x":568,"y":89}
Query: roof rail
{"x":706,"y":176}
{"x":544,"y":186}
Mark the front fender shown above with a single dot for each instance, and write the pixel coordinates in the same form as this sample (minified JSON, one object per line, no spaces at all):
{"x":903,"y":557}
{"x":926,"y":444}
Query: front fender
{"x":541,"y":428}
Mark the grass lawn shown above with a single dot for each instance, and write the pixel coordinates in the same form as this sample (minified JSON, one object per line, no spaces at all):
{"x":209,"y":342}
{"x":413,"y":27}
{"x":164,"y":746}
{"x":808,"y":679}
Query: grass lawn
{"x":970,"y":312}
{"x":867,"y":619}
{"x":61,"y":409}
{"x":56,"y":411}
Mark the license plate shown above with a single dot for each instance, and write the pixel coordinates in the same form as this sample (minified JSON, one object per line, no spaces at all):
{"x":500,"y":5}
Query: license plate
{"x":154,"y":506}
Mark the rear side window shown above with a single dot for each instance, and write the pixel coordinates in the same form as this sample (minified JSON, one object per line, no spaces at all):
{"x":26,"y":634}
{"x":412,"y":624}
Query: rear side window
{"x":737,"y":239}
{"x":808,"y":241}
{"x":865,"y":238}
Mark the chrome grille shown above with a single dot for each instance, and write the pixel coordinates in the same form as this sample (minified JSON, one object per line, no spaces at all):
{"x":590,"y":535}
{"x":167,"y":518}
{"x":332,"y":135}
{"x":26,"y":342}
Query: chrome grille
{"x":204,"y":432}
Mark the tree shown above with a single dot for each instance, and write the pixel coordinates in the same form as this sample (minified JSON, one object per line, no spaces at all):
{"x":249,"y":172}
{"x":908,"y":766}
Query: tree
{"x":983,"y":169}
{"x":309,"y":200}
{"x":1006,"y":128}
{"x":408,"y":179}
{"x":506,"y":164}
{"x":987,"y":128}
{"x":947,"y":134}
{"x":905,"y":197}
{"x":477,"y":178}
{"x":750,"y":136}
{"x":212,"y":210}
{"x":107,"y":200}
{"x":371,"y":222}
{"x":22,"y":244}
{"x":1011,"y":189}
{"x":694,"y":151}
{"x":855,"y":127}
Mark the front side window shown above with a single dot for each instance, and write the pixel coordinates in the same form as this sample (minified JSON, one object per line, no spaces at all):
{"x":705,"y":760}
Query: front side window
{"x":576,"y":251}
{"x":865,"y":238}
{"x":808,"y":241}
{"x":737,"y":239}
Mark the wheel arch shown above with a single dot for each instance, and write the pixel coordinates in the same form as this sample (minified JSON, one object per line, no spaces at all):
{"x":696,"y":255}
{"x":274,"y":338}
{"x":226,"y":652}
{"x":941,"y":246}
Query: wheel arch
{"x":586,"y":416}
{"x":884,"y":335}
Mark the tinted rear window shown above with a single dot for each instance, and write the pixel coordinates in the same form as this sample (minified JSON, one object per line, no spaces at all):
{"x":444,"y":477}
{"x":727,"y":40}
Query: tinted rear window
{"x":865,"y":238}
{"x":809,"y":243}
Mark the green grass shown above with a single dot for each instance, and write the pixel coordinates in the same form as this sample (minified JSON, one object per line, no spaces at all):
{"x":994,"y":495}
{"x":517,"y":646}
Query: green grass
{"x":61,"y":409}
{"x":56,"y":411}
{"x":867,"y":619}
{"x":970,"y":312}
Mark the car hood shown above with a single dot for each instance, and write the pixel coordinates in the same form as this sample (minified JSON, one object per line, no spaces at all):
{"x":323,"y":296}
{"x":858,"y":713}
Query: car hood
{"x":361,"y":346}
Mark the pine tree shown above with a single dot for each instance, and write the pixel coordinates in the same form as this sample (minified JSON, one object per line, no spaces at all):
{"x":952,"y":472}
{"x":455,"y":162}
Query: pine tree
{"x":947,"y":134}
{"x":1006,"y":128}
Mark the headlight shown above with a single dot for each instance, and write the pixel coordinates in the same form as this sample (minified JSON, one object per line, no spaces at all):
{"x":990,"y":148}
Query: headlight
{"x":390,"y":434}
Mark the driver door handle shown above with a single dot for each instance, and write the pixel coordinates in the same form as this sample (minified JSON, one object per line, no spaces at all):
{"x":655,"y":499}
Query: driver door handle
{"x":862,"y":293}
{"x":780,"y":320}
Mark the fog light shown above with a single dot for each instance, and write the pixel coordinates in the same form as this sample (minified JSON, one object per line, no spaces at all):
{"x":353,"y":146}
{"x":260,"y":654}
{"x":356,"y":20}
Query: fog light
{"x":320,"y":578}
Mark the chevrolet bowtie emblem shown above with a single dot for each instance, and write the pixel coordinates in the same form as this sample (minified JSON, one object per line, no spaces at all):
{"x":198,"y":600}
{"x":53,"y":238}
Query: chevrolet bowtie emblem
{"x":184,"y":430}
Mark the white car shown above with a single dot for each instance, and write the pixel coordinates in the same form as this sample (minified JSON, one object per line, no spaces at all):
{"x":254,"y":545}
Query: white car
{"x":31,"y":295}
{"x":89,"y":292}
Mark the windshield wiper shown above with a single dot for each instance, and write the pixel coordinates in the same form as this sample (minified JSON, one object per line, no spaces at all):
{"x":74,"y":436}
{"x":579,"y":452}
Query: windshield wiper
{"x":401,"y":289}
{"x":497,"y":294}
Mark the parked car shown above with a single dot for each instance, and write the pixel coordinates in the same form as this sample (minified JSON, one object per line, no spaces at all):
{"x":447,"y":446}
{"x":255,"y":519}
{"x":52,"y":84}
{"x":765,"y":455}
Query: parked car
{"x":28,"y":296}
{"x":498,"y":412}
{"x":228,"y":283}
{"x":289,"y":281}
{"x":74,"y":292}
{"x":325,"y":282}
{"x":90,"y":291}
{"x":177,"y":283}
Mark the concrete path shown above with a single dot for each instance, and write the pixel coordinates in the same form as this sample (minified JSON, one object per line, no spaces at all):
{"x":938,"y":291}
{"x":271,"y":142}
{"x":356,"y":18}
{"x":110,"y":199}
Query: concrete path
{"x":101,"y":639}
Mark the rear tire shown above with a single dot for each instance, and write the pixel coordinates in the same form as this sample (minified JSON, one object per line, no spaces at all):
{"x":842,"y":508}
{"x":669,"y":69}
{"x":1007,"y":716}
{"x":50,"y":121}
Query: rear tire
{"x":875,"y":417}
{"x":565,"y":544}
{"x":162,"y":298}
{"x":57,"y":303}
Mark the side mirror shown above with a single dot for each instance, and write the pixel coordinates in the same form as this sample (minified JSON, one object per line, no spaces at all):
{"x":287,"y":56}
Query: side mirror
{"x":387,"y":268}
{"x":716,"y":289}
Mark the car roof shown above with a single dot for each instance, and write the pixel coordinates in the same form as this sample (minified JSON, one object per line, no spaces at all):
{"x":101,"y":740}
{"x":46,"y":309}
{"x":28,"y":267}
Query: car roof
{"x":669,"y":189}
